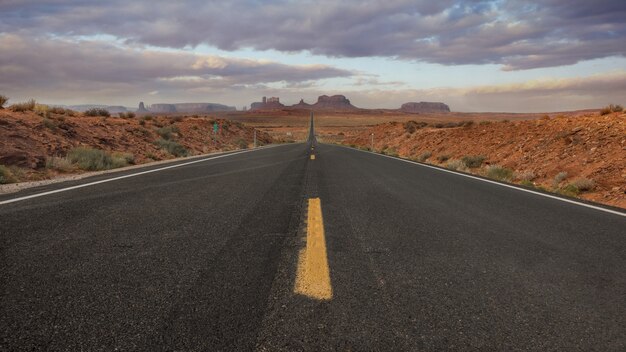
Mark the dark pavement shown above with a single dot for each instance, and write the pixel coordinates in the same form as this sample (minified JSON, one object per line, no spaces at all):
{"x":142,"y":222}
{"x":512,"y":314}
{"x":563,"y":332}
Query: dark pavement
{"x":203,"y":257}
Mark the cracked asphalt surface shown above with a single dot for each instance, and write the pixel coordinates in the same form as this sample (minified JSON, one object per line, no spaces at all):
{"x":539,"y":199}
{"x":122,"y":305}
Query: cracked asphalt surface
{"x":203,"y":258}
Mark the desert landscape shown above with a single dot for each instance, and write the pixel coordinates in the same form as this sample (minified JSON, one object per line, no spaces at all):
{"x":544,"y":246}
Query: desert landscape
{"x":577,"y":154}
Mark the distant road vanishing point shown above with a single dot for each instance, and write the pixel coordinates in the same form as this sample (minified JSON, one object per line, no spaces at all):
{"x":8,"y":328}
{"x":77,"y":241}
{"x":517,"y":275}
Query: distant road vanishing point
{"x":307,"y":247}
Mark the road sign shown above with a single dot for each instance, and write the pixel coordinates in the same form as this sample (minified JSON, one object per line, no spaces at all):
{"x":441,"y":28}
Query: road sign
{"x":216,"y":127}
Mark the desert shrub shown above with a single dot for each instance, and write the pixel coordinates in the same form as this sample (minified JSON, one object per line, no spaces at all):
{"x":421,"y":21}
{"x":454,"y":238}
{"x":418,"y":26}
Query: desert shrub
{"x":484,"y":122}
{"x":122,"y":159}
{"x":176,"y":119}
{"x":473,"y":161}
{"x":97,"y":112}
{"x":49,"y":123}
{"x":558,"y":179}
{"x":142,"y":122}
{"x":498,"y":172}
{"x":127,"y":115}
{"x":569,"y":190}
{"x":527,"y":183}
{"x":467,"y":123}
{"x":525,"y":176}
{"x":455,"y":164}
{"x":616,"y":108}
{"x":605,"y":111}
{"x":172,"y":147}
{"x":442,"y":158}
{"x":166,"y":132}
{"x":412,"y":126}
{"x":583,"y":184}
{"x":59,"y":164}
{"x":241,"y":143}
{"x":3,"y":101}
{"x":6,"y":176}
{"x":390,"y":152}
{"x":94,"y":159}
{"x":26,"y":106}
{"x":42,"y":110}
{"x":424,"y":156}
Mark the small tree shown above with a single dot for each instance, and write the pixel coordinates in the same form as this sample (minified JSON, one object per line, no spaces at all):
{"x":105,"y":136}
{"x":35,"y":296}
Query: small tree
{"x":3,"y":101}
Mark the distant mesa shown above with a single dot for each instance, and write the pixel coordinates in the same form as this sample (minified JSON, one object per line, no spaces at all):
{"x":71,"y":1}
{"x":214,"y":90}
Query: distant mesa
{"x":324,"y":102}
{"x":335,"y":102}
{"x":424,"y":107}
{"x":267,"y":104}
{"x":185,"y":108}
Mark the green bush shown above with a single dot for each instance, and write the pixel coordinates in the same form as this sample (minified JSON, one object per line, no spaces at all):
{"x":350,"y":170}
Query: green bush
{"x":456,"y":164}
{"x":569,"y":190}
{"x":59,"y":164}
{"x":442,"y":158}
{"x":6,"y":176}
{"x":242,"y":144}
{"x":127,"y":115}
{"x":97,"y":112}
{"x":558,"y":179}
{"x":424,"y":156}
{"x":527,"y":183}
{"x":172,"y":147}
{"x":95,"y":159}
{"x":473,"y":161}
{"x":498,"y":172}
{"x":166,"y":132}
{"x":3,"y":101}
{"x":584,"y":184}
{"x":26,"y":106}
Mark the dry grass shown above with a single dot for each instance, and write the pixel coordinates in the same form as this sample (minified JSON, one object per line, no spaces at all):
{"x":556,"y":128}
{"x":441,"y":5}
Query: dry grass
{"x":25,"y":106}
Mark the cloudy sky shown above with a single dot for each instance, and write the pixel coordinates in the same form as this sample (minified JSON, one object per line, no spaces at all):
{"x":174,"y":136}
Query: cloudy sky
{"x":517,"y":55}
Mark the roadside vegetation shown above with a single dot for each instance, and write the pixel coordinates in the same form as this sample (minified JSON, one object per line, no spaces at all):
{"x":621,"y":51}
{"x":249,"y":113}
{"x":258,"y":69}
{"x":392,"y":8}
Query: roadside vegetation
{"x":95,"y":159}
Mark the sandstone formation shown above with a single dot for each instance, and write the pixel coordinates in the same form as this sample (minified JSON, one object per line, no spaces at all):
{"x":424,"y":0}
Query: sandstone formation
{"x":335,"y":102}
{"x":267,"y":104}
{"x":142,"y":108}
{"x":424,"y":107}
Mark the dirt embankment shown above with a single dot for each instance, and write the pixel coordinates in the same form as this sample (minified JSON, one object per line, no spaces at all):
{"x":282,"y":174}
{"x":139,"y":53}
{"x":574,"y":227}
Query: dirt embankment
{"x":585,"y":147}
{"x":29,"y":141}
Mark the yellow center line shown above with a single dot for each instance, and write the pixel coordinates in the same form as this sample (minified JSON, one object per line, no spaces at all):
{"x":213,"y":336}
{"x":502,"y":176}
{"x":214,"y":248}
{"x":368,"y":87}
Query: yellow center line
{"x":312,"y":156}
{"x":313,"y":277}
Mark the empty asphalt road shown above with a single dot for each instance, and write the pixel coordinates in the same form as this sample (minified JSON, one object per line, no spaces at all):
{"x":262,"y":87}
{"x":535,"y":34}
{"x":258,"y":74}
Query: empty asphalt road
{"x":275,"y":249}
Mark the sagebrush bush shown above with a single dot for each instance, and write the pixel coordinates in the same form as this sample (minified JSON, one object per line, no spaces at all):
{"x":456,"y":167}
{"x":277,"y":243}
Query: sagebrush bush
{"x":59,"y":164}
{"x":525,"y":176}
{"x":605,"y":111}
{"x":560,"y":177}
{"x":3,"y":101}
{"x":6,"y":176}
{"x":97,"y":112}
{"x":424,"y":156}
{"x":583,"y":184}
{"x":172,"y":147}
{"x":94,"y":159}
{"x":442,"y":158}
{"x":456,"y":164}
{"x":242,"y":144}
{"x":166,"y":132}
{"x":473,"y":161}
{"x":498,"y":172}
{"x":127,"y":115}
{"x":616,"y":108}
{"x":49,"y":123}
{"x":25,"y":106}
{"x":569,"y":190}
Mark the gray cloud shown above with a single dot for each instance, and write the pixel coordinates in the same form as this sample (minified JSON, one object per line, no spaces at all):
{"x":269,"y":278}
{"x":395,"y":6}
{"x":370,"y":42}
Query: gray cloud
{"x":518,"y":34}
{"x":80,"y":67}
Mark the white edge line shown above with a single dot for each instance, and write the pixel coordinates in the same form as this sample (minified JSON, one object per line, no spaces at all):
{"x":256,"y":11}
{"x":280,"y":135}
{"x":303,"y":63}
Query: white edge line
{"x":132,"y":175}
{"x":492,"y":182}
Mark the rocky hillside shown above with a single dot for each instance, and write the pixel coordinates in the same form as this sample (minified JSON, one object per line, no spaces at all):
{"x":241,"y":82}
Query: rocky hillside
{"x":581,"y":156}
{"x":31,"y":145}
